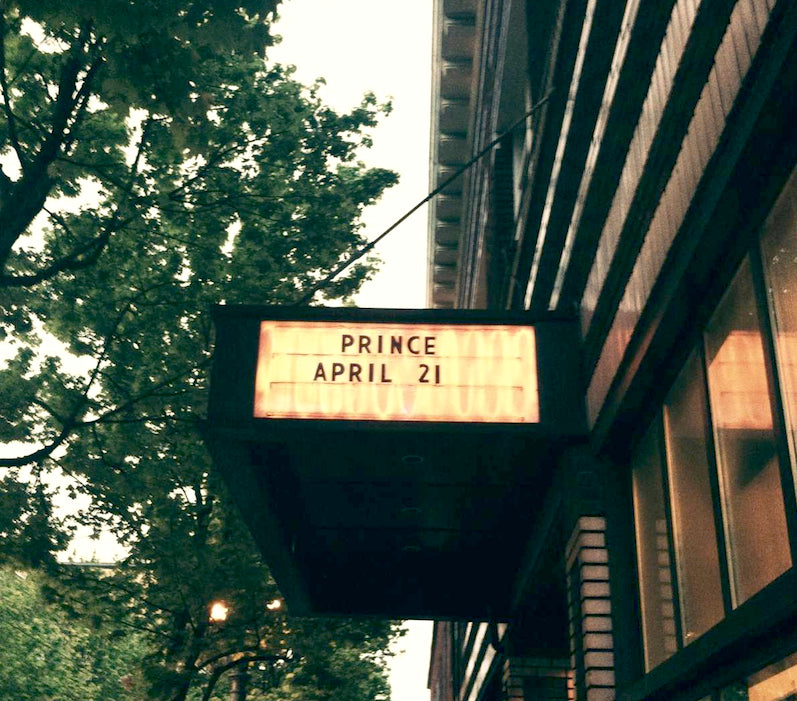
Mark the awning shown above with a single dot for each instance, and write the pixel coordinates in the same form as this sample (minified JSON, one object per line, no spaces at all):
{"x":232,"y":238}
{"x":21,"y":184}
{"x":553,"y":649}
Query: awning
{"x":372,"y":500}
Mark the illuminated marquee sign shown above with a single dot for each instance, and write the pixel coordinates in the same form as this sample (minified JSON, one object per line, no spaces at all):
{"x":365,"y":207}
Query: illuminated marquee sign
{"x":397,"y":372}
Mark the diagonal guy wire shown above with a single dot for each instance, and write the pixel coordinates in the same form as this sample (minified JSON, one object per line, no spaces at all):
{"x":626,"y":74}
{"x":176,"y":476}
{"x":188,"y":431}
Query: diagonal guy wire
{"x":370,"y":245}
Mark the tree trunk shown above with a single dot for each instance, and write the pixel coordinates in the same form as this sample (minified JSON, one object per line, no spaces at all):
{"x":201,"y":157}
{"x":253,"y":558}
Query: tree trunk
{"x":239,"y":681}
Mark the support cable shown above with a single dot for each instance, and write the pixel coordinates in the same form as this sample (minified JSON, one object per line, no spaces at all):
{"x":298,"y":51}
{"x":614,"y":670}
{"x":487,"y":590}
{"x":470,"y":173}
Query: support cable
{"x":307,"y":298}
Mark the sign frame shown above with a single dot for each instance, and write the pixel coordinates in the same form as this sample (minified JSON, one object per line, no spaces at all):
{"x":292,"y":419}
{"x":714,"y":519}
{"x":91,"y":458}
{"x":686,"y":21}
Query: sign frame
{"x":232,"y":395}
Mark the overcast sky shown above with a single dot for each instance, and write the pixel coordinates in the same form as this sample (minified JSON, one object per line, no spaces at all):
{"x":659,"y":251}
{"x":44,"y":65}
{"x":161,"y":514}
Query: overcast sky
{"x":383,"y":47}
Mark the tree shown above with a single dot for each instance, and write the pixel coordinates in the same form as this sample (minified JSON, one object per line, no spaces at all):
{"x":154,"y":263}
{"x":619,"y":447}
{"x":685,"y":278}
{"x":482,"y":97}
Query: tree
{"x":168,"y":598}
{"x":213,"y":177}
{"x":45,"y":654}
{"x":66,"y":96}
{"x":200,"y":161}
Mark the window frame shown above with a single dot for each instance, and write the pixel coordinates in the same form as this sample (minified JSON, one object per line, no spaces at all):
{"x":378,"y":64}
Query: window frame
{"x":787,"y":471}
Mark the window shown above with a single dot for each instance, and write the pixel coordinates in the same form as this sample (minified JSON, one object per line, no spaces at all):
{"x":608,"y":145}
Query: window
{"x":712,"y":494}
{"x":655,"y":575}
{"x":749,"y":472}
{"x":694,"y":530}
{"x":779,"y":255}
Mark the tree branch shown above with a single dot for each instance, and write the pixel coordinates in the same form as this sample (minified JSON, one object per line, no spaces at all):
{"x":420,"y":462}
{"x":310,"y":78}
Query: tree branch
{"x":99,"y":169}
{"x":80,"y":258}
{"x":26,"y":198}
{"x":153,"y":392}
{"x":226,"y":653}
{"x":238,"y":662}
{"x":40,"y":454}
{"x":72,"y":422}
{"x":12,"y":123}
{"x":80,"y":102}
{"x":86,"y":255}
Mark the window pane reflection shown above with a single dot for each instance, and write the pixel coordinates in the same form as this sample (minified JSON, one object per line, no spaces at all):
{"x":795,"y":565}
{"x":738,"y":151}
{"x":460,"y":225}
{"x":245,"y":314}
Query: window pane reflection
{"x":694,"y":532}
{"x":778,"y":682}
{"x":779,"y":251}
{"x":655,"y":581}
{"x":749,"y":473}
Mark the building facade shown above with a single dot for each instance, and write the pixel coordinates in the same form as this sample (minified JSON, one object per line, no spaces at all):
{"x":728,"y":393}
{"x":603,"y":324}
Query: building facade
{"x":643,"y":181}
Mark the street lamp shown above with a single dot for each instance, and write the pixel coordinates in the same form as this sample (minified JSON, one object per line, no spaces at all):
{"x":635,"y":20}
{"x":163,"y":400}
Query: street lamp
{"x":218,"y":611}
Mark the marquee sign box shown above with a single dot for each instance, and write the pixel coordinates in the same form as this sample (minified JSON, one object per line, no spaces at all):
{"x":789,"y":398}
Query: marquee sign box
{"x":375,"y":455}
{"x":394,"y":366}
{"x":396,"y":372}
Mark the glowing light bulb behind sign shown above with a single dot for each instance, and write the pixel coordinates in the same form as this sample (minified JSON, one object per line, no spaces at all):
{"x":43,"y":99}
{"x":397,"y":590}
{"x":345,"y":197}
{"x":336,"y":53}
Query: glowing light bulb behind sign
{"x":397,"y":372}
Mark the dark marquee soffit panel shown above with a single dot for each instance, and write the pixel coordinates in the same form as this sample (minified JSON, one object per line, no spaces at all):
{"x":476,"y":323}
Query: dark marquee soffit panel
{"x":377,"y":517}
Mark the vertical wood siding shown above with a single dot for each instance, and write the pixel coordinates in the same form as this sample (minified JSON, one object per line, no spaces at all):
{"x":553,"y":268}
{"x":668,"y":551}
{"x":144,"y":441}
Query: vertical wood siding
{"x":732,"y":60}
